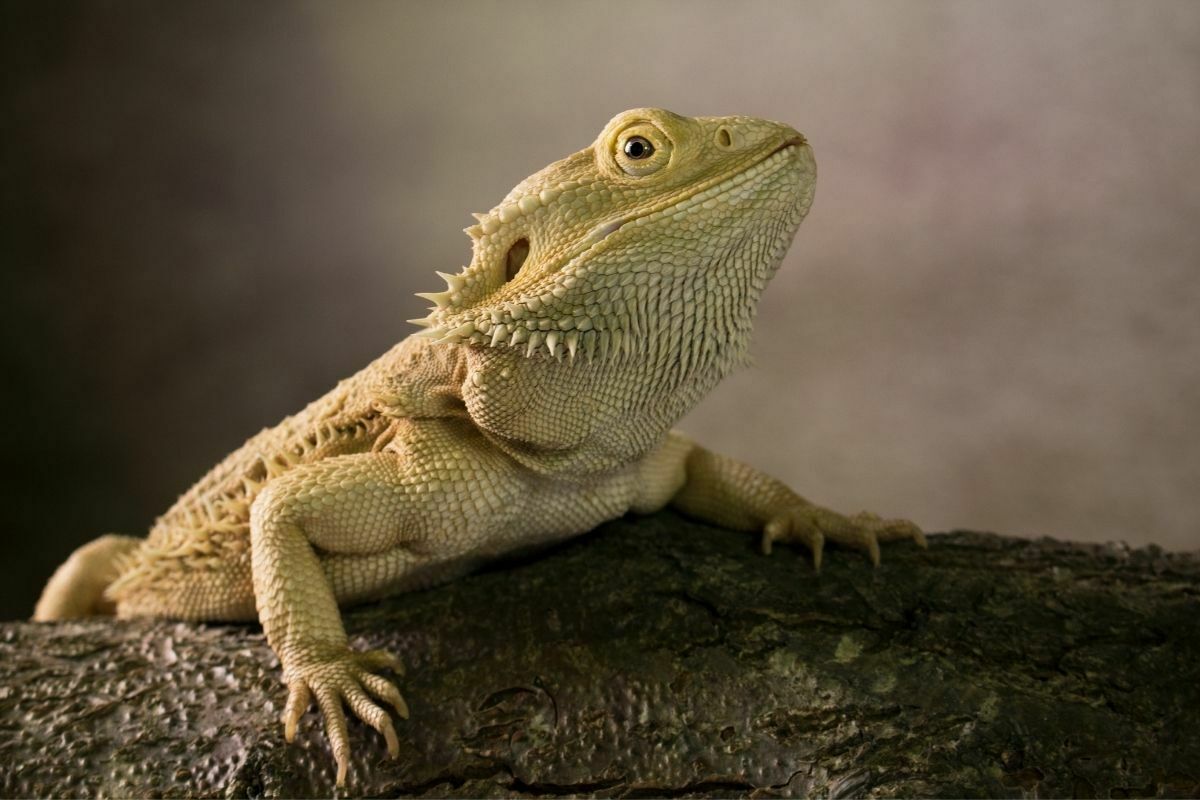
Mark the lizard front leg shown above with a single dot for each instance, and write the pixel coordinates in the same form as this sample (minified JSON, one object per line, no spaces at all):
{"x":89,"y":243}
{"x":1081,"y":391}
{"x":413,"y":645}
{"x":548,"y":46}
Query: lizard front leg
{"x":344,"y":505}
{"x":727,"y":492}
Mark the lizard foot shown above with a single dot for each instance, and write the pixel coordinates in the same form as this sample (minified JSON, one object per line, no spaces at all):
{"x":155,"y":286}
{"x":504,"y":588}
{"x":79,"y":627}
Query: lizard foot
{"x":338,"y":676}
{"x":812,"y":526}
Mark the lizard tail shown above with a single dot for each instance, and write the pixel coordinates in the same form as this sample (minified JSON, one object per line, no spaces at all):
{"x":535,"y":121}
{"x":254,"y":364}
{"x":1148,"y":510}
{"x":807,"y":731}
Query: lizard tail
{"x":77,"y":587}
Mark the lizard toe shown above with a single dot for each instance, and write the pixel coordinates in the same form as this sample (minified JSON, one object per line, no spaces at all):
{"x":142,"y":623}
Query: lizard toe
{"x":384,"y":690}
{"x":365,"y":709}
{"x":792,"y":527}
{"x":895,"y":529}
{"x":375,"y":660}
{"x":336,"y":729}
{"x":298,"y":701}
{"x":814,"y":526}
{"x":338,"y":679}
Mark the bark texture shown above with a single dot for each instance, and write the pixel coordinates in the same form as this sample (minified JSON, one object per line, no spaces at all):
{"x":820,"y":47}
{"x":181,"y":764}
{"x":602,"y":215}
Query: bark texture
{"x":659,"y":657}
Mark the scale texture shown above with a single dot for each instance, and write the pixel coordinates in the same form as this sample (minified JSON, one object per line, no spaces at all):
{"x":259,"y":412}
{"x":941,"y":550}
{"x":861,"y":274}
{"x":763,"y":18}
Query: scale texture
{"x":660,"y":657}
{"x":606,"y":295}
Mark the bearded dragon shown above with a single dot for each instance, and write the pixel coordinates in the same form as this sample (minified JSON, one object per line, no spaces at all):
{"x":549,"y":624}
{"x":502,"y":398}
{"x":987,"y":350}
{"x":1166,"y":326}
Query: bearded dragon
{"x":606,"y":295}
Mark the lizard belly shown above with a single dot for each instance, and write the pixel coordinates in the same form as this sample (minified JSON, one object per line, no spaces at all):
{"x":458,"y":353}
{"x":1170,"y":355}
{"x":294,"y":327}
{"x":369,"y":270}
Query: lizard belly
{"x":555,"y":509}
{"x":467,"y":503}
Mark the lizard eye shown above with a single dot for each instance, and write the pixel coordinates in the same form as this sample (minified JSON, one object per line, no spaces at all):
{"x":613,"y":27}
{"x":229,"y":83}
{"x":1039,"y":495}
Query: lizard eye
{"x":638,"y":147}
{"x":641,"y":149}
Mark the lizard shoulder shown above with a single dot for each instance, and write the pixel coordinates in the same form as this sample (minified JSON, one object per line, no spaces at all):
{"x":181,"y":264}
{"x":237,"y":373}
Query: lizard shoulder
{"x":661,"y":473}
{"x":415,"y":380}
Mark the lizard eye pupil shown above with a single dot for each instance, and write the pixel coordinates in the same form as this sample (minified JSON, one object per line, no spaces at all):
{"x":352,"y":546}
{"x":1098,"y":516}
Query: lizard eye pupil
{"x":637,"y":147}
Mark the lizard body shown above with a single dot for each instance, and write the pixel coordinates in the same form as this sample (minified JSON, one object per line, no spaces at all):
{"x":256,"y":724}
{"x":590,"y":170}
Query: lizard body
{"x":607,"y":294}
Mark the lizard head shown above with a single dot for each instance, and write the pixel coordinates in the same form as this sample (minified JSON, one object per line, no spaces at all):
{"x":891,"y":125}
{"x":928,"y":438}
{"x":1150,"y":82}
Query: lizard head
{"x":664,"y":230}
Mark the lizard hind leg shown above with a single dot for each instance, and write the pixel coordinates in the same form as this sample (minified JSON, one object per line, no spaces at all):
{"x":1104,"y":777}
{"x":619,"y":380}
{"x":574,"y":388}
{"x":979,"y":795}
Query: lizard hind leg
{"x":77,"y":587}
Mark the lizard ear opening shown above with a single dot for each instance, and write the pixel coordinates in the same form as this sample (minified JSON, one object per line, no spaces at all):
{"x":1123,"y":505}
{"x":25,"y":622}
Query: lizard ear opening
{"x":515,"y":258}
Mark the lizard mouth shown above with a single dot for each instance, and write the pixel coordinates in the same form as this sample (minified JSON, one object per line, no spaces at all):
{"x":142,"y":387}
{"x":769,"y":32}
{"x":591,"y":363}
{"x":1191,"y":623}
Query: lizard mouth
{"x":795,"y":141}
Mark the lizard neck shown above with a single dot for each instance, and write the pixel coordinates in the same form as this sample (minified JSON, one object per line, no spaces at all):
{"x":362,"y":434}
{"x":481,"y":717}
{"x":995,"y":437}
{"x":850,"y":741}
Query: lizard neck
{"x":568,"y":415}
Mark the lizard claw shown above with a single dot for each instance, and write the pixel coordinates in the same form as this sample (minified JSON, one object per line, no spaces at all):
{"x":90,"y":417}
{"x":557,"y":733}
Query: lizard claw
{"x":299,"y":698}
{"x":889,"y":530}
{"x":338,"y":679}
{"x":782,"y":529}
{"x":375,"y":660}
{"x":812,"y":526}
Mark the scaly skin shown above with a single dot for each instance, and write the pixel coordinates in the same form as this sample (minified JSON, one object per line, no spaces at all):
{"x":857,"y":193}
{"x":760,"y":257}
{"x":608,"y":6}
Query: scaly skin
{"x":606,"y":295}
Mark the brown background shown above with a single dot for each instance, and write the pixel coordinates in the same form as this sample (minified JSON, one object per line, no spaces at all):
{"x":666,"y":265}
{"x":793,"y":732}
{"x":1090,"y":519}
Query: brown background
{"x":991,"y":319}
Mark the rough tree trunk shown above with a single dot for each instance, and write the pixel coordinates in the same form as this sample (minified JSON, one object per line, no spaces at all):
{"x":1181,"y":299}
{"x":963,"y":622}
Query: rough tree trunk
{"x":658,"y":657}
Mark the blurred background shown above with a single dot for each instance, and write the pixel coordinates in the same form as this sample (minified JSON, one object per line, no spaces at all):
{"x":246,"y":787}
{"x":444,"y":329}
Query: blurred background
{"x":990,"y":320}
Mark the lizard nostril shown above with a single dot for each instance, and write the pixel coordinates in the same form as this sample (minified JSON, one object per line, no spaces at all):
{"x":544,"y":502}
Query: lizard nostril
{"x":515,"y":258}
{"x":724,"y":138}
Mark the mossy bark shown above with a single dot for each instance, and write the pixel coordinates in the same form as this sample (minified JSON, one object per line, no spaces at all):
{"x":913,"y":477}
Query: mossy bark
{"x":659,"y":657}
